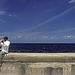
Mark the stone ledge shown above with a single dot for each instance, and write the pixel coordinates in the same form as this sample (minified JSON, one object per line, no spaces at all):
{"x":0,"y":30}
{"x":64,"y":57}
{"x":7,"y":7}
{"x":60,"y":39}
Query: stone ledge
{"x":41,"y":57}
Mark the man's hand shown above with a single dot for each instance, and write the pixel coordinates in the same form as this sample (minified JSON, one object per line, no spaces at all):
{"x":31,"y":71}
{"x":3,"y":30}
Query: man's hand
{"x":2,"y":41}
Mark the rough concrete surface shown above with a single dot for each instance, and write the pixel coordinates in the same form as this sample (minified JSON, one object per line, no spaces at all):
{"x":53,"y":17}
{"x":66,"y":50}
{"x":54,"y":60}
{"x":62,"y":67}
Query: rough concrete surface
{"x":38,"y":64}
{"x":41,"y":57}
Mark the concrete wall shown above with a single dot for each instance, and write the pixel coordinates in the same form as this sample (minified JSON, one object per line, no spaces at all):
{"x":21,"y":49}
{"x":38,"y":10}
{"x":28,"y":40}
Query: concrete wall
{"x":38,"y":64}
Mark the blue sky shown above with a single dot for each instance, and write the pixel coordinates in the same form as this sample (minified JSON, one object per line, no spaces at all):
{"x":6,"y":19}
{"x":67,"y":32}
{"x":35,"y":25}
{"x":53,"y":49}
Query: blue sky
{"x":38,"y":21}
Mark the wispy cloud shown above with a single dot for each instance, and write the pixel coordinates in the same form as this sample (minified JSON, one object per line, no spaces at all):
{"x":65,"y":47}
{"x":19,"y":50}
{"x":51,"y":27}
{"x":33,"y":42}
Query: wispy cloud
{"x":51,"y":19}
{"x":2,"y":20}
{"x":3,"y":8}
{"x":37,"y":37}
{"x":2,"y":12}
{"x":10,"y":15}
{"x":71,"y":1}
{"x":69,"y":36}
{"x":61,"y":31}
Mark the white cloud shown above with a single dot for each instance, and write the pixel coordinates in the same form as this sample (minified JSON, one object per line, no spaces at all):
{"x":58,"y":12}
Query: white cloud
{"x":48,"y":37}
{"x":51,"y":19}
{"x":61,"y":31}
{"x":19,"y":36}
{"x":69,"y":36}
{"x":45,"y":37}
{"x":2,"y":12}
{"x":10,"y":15}
{"x":6,"y":14}
{"x":32,"y":37}
{"x":71,"y":1}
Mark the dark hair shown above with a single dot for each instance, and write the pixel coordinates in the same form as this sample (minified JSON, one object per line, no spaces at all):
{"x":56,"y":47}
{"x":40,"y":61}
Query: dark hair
{"x":6,"y":37}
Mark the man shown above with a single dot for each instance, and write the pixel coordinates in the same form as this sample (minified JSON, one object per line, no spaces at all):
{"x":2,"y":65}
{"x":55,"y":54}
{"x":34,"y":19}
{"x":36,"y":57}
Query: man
{"x":4,"y":48}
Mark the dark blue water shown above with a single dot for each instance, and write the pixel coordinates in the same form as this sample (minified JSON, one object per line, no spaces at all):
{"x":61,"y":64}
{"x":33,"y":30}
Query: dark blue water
{"x":42,"y":47}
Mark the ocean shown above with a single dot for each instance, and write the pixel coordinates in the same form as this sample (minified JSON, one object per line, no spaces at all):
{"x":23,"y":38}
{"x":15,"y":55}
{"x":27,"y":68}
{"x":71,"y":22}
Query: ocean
{"x":42,"y":47}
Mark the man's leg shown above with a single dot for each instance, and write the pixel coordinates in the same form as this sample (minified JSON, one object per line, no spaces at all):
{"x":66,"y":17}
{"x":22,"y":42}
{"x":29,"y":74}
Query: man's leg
{"x":1,"y":56}
{"x":0,"y":60}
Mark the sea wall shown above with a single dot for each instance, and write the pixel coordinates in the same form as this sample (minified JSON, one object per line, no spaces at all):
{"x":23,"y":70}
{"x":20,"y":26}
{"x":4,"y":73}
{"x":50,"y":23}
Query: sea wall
{"x":38,"y":64}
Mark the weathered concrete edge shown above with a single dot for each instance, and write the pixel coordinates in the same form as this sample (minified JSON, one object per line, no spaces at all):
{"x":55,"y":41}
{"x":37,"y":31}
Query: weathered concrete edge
{"x":40,"y":57}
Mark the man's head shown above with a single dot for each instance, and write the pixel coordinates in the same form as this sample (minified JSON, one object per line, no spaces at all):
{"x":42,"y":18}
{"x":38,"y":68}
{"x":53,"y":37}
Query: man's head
{"x":5,"y":38}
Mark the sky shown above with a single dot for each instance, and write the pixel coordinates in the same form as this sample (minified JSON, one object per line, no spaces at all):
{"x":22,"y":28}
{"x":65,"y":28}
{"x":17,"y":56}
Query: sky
{"x":38,"y":21}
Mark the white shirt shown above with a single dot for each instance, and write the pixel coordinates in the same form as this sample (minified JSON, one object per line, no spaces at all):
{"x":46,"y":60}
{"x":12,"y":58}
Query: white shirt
{"x":5,"y":46}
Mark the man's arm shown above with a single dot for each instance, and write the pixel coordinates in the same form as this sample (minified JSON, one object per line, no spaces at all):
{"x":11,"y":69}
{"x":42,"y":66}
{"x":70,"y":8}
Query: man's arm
{"x":6,"y":43}
{"x":1,"y":42}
